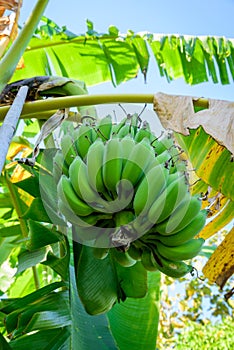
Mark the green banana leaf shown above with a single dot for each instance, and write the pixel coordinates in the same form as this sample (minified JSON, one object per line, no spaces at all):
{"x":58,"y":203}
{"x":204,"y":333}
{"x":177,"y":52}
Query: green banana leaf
{"x":3,"y":343}
{"x":90,"y":332}
{"x":97,"y":58}
{"x":134,"y":323}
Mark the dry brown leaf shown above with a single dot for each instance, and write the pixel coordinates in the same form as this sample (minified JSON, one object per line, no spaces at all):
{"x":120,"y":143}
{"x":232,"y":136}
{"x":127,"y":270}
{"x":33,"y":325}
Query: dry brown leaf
{"x":8,"y":23}
{"x":220,"y":267}
{"x":177,"y":113}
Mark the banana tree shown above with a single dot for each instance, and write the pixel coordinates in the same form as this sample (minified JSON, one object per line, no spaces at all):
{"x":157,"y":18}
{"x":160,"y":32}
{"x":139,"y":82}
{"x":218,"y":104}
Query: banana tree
{"x":47,"y":310}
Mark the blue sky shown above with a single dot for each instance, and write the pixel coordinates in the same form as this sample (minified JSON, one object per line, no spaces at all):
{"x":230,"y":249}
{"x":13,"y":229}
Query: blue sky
{"x":199,"y":17}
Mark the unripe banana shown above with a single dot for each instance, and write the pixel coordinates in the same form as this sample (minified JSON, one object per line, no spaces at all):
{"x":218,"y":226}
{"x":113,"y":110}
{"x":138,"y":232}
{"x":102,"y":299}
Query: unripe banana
{"x":59,"y":166}
{"x":85,"y":235}
{"x":79,"y":179}
{"x":100,"y":253}
{"x":116,"y":127}
{"x":141,"y":225}
{"x":162,"y":145}
{"x":134,"y":122}
{"x":158,"y":146}
{"x":124,"y":131}
{"x":164,"y":158}
{"x":135,"y":252}
{"x":112,"y":164}
{"x":128,"y":144}
{"x":68,"y":148}
{"x":188,"y":232}
{"x":168,"y":200}
{"x":104,"y":128}
{"x":184,"y":251}
{"x":70,"y":215}
{"x":122,"y":258}
{"x":105,"y":231}
{"x":181,"y":216}
{"x":143,"y":132}
{"x":123,"y":217}
{"x":173,"y":177}
{"x":175,"y":269}
{"x":138,"y":161}
{"x":147,"y":259}
{"x":149,"y":189}
{"x":94,"y":165}
{"x":84,"y":221}
{"x":84,"y":136}
{"x":67,"y":194}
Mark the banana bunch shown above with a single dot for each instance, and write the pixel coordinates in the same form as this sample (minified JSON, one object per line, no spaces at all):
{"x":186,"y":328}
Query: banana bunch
{"x":127,"y":194}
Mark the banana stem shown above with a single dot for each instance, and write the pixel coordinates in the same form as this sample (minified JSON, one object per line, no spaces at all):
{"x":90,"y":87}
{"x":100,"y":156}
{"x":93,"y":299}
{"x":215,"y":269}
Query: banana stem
{"x":9,"y":125}
{"x":33,"y":109}
{"x":10,"y":60}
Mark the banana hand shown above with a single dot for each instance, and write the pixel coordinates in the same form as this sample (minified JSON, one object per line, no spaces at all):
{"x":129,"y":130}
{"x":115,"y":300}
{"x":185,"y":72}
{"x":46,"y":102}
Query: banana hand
{"x":184,"y":251}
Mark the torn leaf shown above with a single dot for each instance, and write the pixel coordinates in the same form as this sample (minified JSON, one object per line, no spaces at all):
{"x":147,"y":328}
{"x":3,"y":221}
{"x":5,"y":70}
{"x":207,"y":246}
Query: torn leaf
{"x":177,"y":113}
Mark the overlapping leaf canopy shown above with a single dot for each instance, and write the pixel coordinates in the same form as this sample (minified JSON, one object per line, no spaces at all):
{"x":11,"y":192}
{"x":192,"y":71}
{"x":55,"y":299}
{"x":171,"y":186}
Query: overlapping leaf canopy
{"x":96,"y":58}
{"x":99,"y":57}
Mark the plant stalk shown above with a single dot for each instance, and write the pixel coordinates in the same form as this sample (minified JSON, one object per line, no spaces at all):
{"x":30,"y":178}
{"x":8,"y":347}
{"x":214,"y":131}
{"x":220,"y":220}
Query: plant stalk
{"x":9,"y":125}
{"x":11,"y":58}
{"x":33,"y":109}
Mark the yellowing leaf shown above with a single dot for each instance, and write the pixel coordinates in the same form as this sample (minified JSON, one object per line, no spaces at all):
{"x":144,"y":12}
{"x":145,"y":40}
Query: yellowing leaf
{"x":219,"y":221}
{"x":19,"y":174}
{"x":220,"y":267}
{"x":18,"y":145}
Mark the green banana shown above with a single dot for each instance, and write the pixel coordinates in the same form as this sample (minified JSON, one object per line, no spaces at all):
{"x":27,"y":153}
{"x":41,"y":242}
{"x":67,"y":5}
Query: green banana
{"x":128,"y":144}
{"x":100,"y":253}
{"x":184,"y":251}
{"x":78,"y":174}
{"x":104,"y":128}
{"x":84,"y":235}
{"x":141,"y":225}
{"x":59,"y":166}
{"x":134,"y":121}
{"x":122,"y":258}
{"x":168,"y":200}
{"x":123,"y":217}
{"x":84,"y":136}
{"x":117,"y":127}
{"x":112,"y":164}
{"x":149,"y":189}
{"x":181,"y":216}
{"x":105,"y":231}
{"x":84,"y":221}
{"x":68,"y":148}
{"x":94,"y":162}
{"x":162,"y":145}
{"x":188,"y":232}
{"x":124,"y":131}
{"x":67,"y":195}
{"x":69,"y":214}
{"x":135,"y":251}
{"x":175,"y":269}
{"x":147,"y":259}
{"x":173,"y":177}
{"x":139,"y":159}
{"x":158,"y":146}
{"x":143,"y":132}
